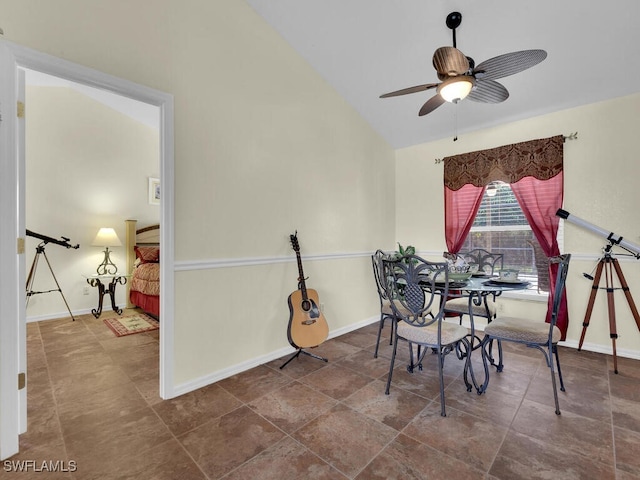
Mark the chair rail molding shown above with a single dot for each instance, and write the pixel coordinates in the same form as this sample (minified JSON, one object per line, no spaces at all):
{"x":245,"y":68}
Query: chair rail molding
{"x":209,"y":264}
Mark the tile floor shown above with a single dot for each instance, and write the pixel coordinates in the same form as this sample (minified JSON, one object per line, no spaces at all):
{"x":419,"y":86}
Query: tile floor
{"x":93,"y":400}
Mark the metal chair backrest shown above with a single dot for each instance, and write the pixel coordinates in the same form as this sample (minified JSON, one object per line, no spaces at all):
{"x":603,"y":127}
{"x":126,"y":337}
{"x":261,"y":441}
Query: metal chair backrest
{"x":415,"y":288}
{"x":376,"y":263}
{"x":487,"y":262}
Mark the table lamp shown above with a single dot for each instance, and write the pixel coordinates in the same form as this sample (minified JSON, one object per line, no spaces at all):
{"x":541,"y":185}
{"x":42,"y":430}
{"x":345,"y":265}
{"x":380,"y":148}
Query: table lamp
{"x":106,"y":237}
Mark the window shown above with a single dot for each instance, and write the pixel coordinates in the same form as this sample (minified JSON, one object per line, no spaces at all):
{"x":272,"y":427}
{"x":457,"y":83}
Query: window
{"x":534,"y":170}
{"x":501,"y":227}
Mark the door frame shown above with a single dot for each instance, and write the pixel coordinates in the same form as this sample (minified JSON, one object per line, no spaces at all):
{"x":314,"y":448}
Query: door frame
{"x":13,"y":58}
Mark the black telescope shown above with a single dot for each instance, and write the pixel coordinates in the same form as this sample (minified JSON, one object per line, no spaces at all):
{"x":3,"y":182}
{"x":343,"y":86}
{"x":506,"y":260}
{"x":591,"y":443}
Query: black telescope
{"x":63,"y":243}
{"x":609,"y":235}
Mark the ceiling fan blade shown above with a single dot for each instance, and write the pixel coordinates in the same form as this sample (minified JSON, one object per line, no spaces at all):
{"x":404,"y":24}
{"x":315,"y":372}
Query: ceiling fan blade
{"x":509,"y":64}
{"x":431,"y":104}
{"x":404,"y":91}
{"x":449,"y":62}
{"x":488,"y":91}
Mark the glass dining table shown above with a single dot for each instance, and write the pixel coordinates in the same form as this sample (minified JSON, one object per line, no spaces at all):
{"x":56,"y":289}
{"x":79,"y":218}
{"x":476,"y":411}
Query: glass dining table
{"x":475,"y":289}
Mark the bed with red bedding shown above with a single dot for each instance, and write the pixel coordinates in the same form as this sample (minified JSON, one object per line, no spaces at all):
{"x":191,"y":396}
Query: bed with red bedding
{"x":144,"y":285}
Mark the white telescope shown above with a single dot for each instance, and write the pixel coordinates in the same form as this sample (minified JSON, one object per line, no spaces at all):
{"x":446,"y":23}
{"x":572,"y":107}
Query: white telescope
{"x":609,"y":235}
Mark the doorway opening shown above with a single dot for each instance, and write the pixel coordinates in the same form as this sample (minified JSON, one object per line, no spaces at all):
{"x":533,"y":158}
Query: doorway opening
{"x":14,"y":60}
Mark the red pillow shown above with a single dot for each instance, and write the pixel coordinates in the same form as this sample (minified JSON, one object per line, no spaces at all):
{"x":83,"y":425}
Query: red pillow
{"x":148,"y":254}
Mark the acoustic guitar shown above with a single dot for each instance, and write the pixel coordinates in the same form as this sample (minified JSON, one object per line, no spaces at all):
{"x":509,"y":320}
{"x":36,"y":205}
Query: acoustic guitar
{"x":307,"y":325}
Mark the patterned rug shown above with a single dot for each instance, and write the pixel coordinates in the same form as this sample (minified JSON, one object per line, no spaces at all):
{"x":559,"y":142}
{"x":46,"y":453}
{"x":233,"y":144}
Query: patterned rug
{"x":130,"y":324}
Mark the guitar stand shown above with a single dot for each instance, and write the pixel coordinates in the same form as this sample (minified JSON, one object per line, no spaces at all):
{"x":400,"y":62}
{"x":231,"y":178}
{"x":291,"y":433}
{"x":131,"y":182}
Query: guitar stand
{"x":297,"y":354}
{"x":607,"y":262}
{"x":32,"y":274}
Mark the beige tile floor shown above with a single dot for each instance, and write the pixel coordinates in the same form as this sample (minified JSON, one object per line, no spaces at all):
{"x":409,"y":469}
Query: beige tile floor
{"x":93,"y":400}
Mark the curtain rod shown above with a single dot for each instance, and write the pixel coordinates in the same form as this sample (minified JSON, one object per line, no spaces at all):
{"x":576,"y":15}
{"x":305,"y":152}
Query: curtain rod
{"x":571,"y":136}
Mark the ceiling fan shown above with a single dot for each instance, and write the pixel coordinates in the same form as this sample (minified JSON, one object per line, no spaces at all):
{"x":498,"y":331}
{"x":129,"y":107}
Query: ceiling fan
{"x":460,"y":78}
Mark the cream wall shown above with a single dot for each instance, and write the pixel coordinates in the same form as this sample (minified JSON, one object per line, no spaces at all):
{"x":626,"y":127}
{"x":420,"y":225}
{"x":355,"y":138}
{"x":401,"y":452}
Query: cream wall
{"x":263,"y":146}
{"x":87,"y":167}
{"x":601,"y":186}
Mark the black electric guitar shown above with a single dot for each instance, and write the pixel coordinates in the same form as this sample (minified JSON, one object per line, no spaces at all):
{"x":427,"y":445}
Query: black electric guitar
{"x":307,"y":325}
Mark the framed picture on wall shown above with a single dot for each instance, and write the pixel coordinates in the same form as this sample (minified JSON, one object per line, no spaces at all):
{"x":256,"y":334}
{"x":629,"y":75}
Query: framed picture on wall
{"x":154,"y":191}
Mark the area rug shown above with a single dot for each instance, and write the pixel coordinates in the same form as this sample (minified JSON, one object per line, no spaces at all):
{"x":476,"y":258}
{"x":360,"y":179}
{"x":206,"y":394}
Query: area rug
{"x":130,"y":324}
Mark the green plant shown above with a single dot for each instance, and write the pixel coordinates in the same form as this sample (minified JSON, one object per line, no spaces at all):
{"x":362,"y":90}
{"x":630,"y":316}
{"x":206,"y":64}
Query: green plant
{"x":402,"y":251}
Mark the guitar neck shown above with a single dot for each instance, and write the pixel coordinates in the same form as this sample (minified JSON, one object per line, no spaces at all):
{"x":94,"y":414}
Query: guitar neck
{"x":301,"y":281}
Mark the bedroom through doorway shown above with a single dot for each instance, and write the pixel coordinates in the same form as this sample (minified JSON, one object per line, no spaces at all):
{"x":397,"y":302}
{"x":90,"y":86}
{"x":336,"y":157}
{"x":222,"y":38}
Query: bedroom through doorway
{"x":93,"y":153}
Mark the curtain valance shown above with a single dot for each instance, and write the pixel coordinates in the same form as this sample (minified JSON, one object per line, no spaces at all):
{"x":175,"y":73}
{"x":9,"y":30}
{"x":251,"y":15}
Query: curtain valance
{"x":541,"y":159}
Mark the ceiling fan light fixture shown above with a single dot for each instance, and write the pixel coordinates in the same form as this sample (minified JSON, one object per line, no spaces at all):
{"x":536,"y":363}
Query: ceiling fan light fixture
{"x":455,"y":89}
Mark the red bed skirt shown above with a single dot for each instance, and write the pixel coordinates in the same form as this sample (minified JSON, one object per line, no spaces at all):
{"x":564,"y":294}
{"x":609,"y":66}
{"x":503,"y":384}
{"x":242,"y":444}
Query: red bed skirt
{"x":150,"y":304}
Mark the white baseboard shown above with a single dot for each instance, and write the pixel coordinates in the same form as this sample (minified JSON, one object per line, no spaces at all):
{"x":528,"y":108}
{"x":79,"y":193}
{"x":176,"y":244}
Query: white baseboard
{"x":55,"y":316}
{"x":214,"y":377}
{"x":607,"y":350}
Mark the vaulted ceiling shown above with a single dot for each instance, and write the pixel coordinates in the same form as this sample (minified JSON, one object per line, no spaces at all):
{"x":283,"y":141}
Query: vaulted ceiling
{"x":365,"y":48}
{"x":141,"y":112}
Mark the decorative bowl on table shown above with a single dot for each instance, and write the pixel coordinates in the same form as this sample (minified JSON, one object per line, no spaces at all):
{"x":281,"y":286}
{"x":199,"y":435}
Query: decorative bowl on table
{"x":459,"y":277}
{"x":459,"y":273}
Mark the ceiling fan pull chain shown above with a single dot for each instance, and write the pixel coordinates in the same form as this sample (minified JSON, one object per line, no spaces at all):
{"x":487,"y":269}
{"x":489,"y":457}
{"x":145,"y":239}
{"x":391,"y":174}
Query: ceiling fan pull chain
{"x":455,"y":122}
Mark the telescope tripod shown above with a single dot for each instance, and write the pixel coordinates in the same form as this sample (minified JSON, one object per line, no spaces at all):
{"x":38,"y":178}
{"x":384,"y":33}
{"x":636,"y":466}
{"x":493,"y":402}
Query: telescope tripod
{"x":32,"y":274}
{"x":609,"y":264}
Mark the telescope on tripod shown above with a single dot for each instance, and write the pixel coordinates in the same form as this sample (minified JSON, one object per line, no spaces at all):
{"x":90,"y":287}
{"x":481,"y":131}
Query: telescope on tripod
{"x":40,"y":251}
{"x":45,"y":239}
{"x":613,"y":239}
{"x":610,"y":264}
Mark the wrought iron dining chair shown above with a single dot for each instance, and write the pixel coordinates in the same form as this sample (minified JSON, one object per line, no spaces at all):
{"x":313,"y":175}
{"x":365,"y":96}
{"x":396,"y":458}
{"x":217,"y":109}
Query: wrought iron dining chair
{"x":414,"y":290}
{"x":386,"y":313}
{"x":488,"y":263}
{"x":534,"y":334}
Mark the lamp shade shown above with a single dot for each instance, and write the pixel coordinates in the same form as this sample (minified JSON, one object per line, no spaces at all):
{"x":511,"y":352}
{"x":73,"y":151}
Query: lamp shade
{"x":106,"y":237}
{"x":455,"y":89}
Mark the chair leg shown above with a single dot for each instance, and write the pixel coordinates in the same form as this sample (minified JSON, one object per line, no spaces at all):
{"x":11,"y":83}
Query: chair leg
{"x":393,"y":357}
{"x":555,"y":352}
{"x":555,"y":388}
{"x":394,"y":324}
{"x":441,"y":377}
{"x":492,"y":360}
{"x":500,"y":365}
{"x":489,"y":352}
{"x":411,"y":362}
{"x":380,"y":327}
